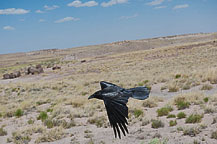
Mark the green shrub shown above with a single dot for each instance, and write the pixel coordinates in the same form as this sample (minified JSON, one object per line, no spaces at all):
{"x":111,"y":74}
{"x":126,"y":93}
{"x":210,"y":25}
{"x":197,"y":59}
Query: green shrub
{"x":206,"y":99}
{"x":2,"y":132}
{"x":171,"y":116}
{"x":173,"y":123}
{"x":0,"y":115}
{"x":177,"y":76}
{"x":214,"y":135}
{"x":194,"y":118}
{"x":164,"y":111}
{"x":181,"y":115}
{"x":42,"y":116}
{"x":137,"y":113}
{"x":157,"y":124}
{"x":18,"y":113}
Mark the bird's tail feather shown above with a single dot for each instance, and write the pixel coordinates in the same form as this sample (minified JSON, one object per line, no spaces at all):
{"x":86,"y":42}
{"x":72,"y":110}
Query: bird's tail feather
{"x":140,"y":93}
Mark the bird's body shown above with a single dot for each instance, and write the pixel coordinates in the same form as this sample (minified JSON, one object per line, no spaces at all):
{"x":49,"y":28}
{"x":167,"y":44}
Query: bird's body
{"x":115,"y":99}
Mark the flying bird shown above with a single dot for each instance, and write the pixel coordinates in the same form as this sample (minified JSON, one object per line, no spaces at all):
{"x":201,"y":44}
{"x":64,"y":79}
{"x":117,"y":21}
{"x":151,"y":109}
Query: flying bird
{"x":115,"y":99}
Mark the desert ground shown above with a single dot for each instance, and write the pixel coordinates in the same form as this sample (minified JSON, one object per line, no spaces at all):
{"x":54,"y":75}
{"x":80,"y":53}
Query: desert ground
{"x":52,"y":107}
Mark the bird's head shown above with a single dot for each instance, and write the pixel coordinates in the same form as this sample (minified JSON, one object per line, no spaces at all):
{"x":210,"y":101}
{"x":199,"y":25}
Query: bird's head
{"x":97,"y":95}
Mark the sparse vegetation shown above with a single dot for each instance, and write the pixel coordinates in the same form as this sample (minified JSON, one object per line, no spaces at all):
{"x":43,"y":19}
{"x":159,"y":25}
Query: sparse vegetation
{"x":157,"y":124}
{"x":42,"y":116}
{"x":206,"y":99}
{"x":137,"y":113}
{"x":18,"y":113}
{"x":194,"y":118}
{"x":2,"y":132}
{"x":164,"y":111}
{"x":181,"y":115}
{"x":172,"y":123}
{"x":171,"y":116}
{"x":181,"y":103}
{"x":30,"y":121}
{"x":206,"y":87}
{"x":193,"y":131}
{"x":98,"y":121}
{"x":214,"y":135}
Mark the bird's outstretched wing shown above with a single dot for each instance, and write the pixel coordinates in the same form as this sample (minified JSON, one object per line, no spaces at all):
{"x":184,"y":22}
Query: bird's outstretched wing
{"x":104,"y":84}
{"x":117,"y":113}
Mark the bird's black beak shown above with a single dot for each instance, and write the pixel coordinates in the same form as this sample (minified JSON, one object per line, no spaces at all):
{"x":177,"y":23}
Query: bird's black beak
{"x":92,"y":96}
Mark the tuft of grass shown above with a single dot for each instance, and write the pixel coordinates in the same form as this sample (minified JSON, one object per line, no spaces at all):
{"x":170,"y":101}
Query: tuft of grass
{"x":51,"y":135}
{"x":49,"y":123}
{"x":157,"y":124}
{"x":181,"y":115}
{"x":42,"y":116}
{"x":193,"y":131}
{"x":214,"y":135}
{"x":138,"y":112}
{"x":49,"y":110}
{"x":173,"y":123}
{"x":98,"y":121}
{"x":3,"y":132}
{"x":206,"y":99}
{"x":18,"y":113}
{"x":180,"y":129}
{"x":181,"y":104}
{"x":157,"y":141}
{"x":206,"y":87}
{"x":19,"y":138}
{"x":164,"y":111}
{"x":194,"y":118}
{"x":30,"y":121}
{"x":209,"y":109}
{"x":171,"y":116}
{"x":149,"y":103}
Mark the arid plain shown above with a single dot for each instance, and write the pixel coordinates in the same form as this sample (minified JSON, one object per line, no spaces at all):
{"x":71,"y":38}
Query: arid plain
{"x":52,"y":107}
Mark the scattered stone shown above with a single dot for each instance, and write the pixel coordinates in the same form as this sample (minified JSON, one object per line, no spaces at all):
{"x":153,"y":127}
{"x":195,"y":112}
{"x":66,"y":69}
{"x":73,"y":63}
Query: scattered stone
{"x":56,"y":67}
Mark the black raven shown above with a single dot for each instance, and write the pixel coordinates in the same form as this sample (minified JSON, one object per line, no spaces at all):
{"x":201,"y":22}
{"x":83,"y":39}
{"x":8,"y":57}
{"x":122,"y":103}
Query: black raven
{"x":115,"y":99}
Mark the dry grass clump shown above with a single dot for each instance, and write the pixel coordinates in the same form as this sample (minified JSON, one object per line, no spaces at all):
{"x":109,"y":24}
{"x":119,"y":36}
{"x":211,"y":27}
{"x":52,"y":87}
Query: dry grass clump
{"x":98,"y":121}
{"x":18,"y":113}
{"x":157,"y":123}
{"x":2,"y":132}
{"x":19,"y":138}
{"x":152,"y":102}
{"x":192,"y":131}
{"x":171,"y":116}
{"x":172,"y":123}
{"x":214,"y":135}
{"x":194,"y":118}
{"x":191,"y":97}
{"x":181,"y":103}
{"x":206,"y":87}
{"x":209,"y":109}
{"x":42,"y":116}
{"x":138,"y":112}
{"x":181,"y":115}
{"x":173,"y":88}
{"x":63,"y":123}
{"x":210,"y":75}
{"x":51,"y":135}
{"x":164,"y":111}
